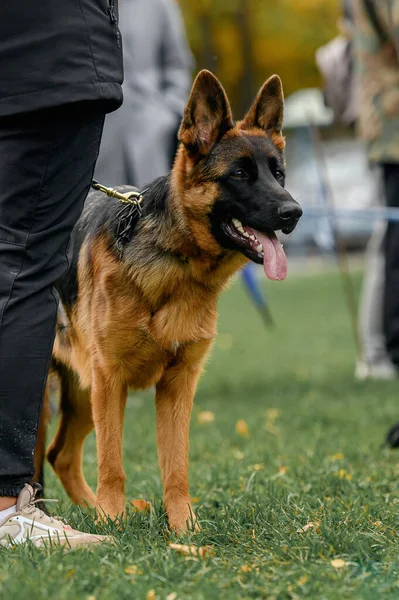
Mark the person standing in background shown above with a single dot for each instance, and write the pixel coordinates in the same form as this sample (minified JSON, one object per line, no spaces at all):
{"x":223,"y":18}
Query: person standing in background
{"x":376,"y":27}
{"x":139,"y":140}
{"x":336,"y":61}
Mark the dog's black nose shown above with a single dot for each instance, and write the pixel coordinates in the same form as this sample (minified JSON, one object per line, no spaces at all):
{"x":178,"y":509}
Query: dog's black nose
{"x":290,"y":212}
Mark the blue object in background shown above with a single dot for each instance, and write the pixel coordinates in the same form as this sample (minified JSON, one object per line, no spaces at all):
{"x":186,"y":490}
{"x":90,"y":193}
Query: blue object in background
{"x":254,"y":290}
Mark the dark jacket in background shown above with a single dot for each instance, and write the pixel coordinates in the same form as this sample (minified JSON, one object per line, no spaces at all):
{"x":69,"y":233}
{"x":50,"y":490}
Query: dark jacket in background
{"x":56,"y":52}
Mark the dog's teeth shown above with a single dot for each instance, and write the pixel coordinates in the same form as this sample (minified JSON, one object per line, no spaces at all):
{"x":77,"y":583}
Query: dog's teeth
{"x":238,"y":225}
{"x":259,"y":248}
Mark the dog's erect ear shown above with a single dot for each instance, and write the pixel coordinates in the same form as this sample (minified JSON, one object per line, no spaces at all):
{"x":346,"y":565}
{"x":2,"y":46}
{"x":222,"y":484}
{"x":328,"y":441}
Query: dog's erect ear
{"x":267,"y":111}
{"x":207,"y":115}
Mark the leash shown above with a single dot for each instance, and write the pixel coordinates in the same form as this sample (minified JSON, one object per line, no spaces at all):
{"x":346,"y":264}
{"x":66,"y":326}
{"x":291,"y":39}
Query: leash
{"x":339,"y":244}
{"x":129,"y":214}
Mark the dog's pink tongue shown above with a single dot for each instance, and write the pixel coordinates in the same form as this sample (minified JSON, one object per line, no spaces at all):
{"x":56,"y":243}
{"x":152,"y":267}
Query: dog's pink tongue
{"x":275,"y":260}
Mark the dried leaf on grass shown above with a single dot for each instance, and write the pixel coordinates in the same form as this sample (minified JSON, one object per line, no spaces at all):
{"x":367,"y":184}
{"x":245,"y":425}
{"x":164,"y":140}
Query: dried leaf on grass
{"x":246,"y":569}
{"x":131,"y":570}
{"x":150,"y":595}
{"x":257,"y":467}
{"x":238,"y":454}
{"x":242,"y":428}
{"x":141,"y":505}
{"x":337,"y":456}
{"x":305,"y":528}
{"x":69,"y":573}
{"x":200,"y":551}
{"x":342,"y":474}
{"x":338,"y":563}
{"x":205,"y":416}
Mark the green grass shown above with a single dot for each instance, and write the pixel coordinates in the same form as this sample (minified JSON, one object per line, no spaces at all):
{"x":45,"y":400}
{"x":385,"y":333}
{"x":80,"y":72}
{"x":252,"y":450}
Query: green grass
{"x":313,"y":453}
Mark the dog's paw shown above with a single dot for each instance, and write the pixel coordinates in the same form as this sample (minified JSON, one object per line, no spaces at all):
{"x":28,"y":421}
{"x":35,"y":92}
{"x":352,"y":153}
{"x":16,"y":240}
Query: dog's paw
{"x":181,"y":517}
{"x":110,"y":508}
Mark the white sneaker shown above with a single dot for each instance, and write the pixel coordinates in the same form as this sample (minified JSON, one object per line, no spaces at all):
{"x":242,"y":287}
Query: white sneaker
{"x":383,"y":369}
{"x":30,"y":524}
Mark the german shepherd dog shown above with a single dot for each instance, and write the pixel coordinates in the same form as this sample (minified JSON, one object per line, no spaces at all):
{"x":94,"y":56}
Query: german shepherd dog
{"x":147,"y":316}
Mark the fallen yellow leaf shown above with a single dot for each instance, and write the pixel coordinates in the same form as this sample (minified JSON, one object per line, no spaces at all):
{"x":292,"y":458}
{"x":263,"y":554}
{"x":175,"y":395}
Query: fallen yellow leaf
{"x":141,"y":505}
{"x":305,"y":528}
{"x":342,"y":474}
{"x":338,"y":456}
{"x":282,"y":470}
{"x":69,"y":573}
{"x":246,"y":569}
{"x":171,"y":596}
{"x":257,"y":467}
{"x":302,"y":580}
{"x":205,"y":416}
{"x":272,"y":414}
{"x":338,"y":563}
{"x":238,"y":454}
{"x":150,"y":595}
{"x":200,"y":551}
{"x":131,"y":570}
{"x":242,"y":428}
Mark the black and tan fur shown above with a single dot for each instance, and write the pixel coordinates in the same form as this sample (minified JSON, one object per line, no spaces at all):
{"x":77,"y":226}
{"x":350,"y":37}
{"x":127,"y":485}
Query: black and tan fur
{"x":148,"y":318}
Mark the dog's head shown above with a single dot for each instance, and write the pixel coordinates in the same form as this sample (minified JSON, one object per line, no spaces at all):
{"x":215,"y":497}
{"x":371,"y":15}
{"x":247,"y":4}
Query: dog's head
{"x":231,"y":175}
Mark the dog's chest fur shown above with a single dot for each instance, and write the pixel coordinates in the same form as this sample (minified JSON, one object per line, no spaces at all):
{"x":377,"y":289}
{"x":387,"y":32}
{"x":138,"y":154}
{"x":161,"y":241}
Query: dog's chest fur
{"x":138,"y":322}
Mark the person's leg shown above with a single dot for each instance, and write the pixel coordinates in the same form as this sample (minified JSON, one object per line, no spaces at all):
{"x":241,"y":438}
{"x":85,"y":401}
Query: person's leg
{"x":370,"y":309}
{"x":374,"y":361}
{"x":46,"y":165}
{"x":391,"y":250}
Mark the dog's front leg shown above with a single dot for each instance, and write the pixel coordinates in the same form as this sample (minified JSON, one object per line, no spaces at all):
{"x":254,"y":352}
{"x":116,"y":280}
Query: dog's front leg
{"x":108,"y":399}
{"x":174,"y":399}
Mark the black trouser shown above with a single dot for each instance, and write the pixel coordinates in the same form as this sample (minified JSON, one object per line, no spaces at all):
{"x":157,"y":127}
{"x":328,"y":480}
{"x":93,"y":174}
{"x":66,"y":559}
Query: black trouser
{"x":391,"y":253}
{"x":46,"y":165}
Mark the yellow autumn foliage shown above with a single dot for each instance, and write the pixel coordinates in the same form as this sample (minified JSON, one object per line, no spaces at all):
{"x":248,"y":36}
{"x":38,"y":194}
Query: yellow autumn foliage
{"x":245,"y":41}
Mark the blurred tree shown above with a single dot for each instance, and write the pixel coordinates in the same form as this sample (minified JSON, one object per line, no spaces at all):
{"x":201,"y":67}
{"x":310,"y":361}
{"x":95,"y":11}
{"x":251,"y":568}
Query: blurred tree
{"x":245,"y":41}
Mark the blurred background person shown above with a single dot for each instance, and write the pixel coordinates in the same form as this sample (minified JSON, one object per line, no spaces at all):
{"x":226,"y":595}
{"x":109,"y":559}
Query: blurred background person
{"x":139,"y":140}
{"x":377,"y":67}
{"x":347,"y":85}
{"x":374,"y":361}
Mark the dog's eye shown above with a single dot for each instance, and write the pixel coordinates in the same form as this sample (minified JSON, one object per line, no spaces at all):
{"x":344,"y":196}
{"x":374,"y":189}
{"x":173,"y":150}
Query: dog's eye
{"x":280,"y":176}
{"x":239,"y":174}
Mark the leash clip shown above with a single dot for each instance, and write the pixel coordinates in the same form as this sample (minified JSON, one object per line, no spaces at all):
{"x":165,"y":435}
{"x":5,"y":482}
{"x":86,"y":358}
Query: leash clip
{"x":127,"y":215}
{"x":135,"y":198}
